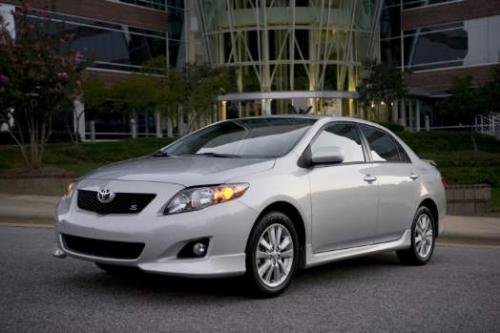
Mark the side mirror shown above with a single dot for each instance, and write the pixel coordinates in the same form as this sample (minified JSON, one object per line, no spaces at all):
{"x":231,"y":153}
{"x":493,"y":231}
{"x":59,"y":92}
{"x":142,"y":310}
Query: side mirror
{"x":327,"y":155}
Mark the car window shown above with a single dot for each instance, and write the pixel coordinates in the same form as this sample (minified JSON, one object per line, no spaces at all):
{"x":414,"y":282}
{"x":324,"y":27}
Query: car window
{"x":383,"y":147}
{"x":403,"y":154}
{"x":253,"y":137}
{"x":345,"y":136}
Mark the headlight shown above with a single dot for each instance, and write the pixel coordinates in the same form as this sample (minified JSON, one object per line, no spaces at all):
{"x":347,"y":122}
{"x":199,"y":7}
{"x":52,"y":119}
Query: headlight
{"x":197,"y":198}
{"x":68,"y":191}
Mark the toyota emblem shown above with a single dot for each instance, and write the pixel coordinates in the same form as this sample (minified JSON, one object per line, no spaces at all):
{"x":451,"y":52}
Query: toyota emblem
{"x":104,"y":195}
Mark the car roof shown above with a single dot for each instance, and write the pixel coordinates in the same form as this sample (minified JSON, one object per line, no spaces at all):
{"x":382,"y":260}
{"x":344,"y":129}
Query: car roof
{"x":324,"y":119}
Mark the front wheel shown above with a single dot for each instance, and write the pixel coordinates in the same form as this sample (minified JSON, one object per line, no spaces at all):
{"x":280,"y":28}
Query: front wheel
{"x":422,"y":240}
{"x":272,"y":254}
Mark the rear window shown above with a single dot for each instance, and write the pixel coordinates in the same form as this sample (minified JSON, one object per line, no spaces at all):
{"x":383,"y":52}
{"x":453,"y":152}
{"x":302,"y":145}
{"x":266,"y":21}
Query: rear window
{"x":383,"y":147}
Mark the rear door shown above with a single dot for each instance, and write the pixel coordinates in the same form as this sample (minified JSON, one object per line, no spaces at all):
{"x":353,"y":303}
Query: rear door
{"x":398,"y":183}
{"x":343,"y":196}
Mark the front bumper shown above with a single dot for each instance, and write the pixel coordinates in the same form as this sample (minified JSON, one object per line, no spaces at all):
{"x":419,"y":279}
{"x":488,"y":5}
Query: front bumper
{"x":227,"y":226}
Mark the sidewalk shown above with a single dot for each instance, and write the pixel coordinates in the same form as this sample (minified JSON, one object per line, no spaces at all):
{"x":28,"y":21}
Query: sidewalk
{"x":39,"y":210}
{"x":33,"y":209}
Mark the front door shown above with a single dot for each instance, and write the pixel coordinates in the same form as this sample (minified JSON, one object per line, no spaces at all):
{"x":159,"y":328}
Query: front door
{"x":343,"y":196}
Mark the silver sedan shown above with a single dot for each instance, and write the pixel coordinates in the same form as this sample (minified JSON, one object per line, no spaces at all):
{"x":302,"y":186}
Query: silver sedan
{"x":260,"y":197}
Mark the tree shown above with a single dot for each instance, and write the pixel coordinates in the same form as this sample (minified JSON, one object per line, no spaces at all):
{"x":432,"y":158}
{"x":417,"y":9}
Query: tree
{"x":464,"y":103}
{"x":39,"y":76}
{"x":490,"y":92}
{"x":383,"y":84}
{"x":203,"y":85}
{"x":170,"y":89}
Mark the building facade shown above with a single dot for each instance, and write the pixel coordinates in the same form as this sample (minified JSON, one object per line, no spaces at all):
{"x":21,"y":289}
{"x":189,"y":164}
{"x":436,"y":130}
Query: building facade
{"x":436,"y":41}
{"x":305,"y":54}
{"x":118,"y":37}
{"x":287,"y":55}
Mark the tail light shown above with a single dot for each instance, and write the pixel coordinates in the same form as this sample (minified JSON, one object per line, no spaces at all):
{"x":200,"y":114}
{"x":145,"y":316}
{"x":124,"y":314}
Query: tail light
{"x":444,"y":182}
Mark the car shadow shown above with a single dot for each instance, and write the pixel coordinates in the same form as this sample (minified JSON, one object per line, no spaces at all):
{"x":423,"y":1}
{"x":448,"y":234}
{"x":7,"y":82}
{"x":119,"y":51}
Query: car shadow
{"x":140,"y":283}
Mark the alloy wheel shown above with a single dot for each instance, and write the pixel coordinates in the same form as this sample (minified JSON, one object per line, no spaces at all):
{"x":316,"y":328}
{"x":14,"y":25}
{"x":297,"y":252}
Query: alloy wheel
{"x":274,"y":255}
{"x":424,"y":236}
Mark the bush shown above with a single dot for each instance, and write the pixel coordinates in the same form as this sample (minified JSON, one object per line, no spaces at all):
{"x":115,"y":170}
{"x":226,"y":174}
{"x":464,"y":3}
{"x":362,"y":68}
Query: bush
{"x":55,"y":137}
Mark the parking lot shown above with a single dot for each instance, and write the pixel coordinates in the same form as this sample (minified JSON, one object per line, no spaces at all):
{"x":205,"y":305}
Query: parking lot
{"x":458,"y":291}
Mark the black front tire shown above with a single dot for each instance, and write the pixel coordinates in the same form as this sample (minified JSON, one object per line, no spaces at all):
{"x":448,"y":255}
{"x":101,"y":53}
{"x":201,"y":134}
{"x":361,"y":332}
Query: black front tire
{"x":413,"y":256}
{"x":258,"y":287}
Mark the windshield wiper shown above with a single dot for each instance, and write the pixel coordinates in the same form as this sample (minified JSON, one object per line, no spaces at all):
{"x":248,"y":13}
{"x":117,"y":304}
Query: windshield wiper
{"x":213,"y":154}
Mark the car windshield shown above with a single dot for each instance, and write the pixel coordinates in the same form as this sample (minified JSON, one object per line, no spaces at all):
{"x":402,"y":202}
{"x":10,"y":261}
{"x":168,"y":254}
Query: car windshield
{"x":253,"y":137}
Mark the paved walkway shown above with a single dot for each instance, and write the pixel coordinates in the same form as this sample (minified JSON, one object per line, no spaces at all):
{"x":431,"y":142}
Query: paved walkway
{"x":39,"y":210}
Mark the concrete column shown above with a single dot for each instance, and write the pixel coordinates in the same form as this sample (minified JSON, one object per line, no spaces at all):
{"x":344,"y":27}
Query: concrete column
{"x":427,"y":123}
{"x":133,"y":128}
{"x":223,"y":109}
{"x":159,"y":133}
{"x":180,"y":122}
{"x":266,"y":107}
{"x":395,"y":111}
{"x":79,"y":118}
{"x":92,"y":131}
{"x":170,"y":128}
{"x":402,"y":119}
{"x":411,"y":114}
{"x":417,"y":116}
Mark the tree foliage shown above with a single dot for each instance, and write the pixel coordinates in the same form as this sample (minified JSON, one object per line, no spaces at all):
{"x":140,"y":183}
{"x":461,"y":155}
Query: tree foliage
{"x":383,"y":84}
{"x":468,"y":100}
{"x":39,"y":77}
{"x":191,"y":93}
{"x":490,"y":92}
{"x":463,"y":104}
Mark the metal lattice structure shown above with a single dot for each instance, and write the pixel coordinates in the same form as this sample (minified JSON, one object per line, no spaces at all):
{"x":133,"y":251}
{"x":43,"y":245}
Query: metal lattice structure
{"x":287,"y":50}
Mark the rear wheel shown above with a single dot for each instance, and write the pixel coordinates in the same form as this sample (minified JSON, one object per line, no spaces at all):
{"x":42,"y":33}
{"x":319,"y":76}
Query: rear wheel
{"x":272,"y":254}
{"x":422,"y":241}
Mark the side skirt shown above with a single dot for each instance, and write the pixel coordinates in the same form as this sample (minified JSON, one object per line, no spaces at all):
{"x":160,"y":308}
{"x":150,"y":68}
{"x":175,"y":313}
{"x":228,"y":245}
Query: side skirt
{"x":314,"y":259}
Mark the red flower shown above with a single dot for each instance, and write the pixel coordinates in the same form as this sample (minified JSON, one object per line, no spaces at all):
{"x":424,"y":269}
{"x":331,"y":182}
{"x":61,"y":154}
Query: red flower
{"x":63,"y":76}
{"x":3,"y":80}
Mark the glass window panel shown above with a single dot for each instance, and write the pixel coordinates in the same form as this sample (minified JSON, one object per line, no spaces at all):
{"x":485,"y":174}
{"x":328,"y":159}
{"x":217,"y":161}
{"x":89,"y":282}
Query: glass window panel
{"x":344,"y":136}
{"x":155,"y":4}
{"x":449,"y":46}
{"x":382,"y":146}
{"x":390,"y":22}
{"x":109,"y":45}
{"x":407,"y":4}
{"x":391,"y":51}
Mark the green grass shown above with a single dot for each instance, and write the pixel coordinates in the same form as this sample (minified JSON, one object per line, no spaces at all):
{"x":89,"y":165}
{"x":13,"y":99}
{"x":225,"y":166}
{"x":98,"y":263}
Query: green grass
{"x":495,"y":198}
{"x":454,"y":153}
{"x":84,"y":157}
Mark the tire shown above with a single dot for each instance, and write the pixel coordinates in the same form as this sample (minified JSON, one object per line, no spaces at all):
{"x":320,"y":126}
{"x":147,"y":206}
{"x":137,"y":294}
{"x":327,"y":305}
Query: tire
{"x":277,"y":261}
{"x":117,"y":270}
{"x":420,"y":251}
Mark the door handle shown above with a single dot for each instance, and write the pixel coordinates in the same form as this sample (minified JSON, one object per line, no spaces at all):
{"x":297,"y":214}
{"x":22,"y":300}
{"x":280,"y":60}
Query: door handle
{"x":413,"y":176}
{"x":369,"y":178}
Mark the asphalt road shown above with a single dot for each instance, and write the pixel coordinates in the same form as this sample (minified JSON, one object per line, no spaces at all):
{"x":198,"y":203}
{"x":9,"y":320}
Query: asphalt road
{"x":459,"y":291}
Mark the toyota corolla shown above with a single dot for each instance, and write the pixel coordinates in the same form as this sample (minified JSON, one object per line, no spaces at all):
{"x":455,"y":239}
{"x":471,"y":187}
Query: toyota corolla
{"x":260,"y":197}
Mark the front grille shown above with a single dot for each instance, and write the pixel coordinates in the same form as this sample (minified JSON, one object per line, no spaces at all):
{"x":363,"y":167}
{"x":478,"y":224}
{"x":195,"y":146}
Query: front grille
{"x":123,"y":203}
{"x":102,"y":248}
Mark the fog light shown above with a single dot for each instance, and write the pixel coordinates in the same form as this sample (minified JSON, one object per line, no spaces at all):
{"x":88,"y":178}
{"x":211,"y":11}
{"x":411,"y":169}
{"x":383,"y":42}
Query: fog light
{"x":196,"y":248}
{"x":199,"y":249}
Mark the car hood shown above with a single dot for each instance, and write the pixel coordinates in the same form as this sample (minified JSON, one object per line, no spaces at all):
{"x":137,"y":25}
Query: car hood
{"x":184,"y":170}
